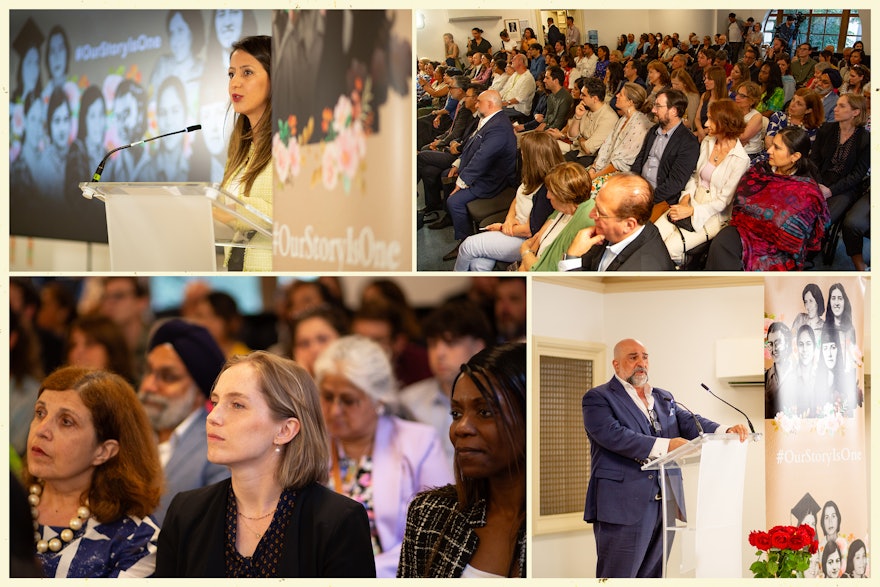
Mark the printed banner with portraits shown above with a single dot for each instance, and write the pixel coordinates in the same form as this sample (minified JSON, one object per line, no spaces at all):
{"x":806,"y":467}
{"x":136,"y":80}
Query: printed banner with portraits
{"x":816,"y":461}
{"x":84,"y":82}
{"x":341,"y":104}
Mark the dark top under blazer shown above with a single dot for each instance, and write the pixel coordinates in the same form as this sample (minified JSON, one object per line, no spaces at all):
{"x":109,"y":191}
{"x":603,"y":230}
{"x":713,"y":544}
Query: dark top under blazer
{"x":676,"y":165}
{"x":328,"y":535}
{"x":620,"y":436}
{"x":647,"y":252}
{"x":857,"y":164}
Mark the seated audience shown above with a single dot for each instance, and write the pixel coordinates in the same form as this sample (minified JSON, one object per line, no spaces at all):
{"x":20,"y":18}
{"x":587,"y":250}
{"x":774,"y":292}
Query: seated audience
{"x":748,"y":94}
{"x":436,"y":89}
{"x":500,"y":74}
{"x":455,"y":331}
{"x":670,"y":151}
{"x":593,"y":120}
{"x":788,"y":84}
{"x":621,"y":147}
{"x":623,"y":238}
{"x":94,"y":477}
{"x":704,"y":206}
{"x":537,"y":65}
{"x":779,"y":213}
{"x":858,"y":78}
{"x":538,"y":111}
{"x":218,"y":312}
{"x":827,"y":87}
{"x":384,"y":323}
{"x":182,"y":364}
{"x":772,"y":93}
{"x":802,"y":64}
{"x":96,"y":342}
{"x":273,"y":517}
{"x":434,"y":129}
{"x":842,"y":154}
{"x":804,"y":111}
{"x":715,"y":82}
{"x":375,"y":458}
{"x":486,"y":166}
{"x":658,"y":79}
{"x":568,"y":189}
{"x":516,"y":97}
{"x":681,"y":80}
{"x":441,"y":540}
{"x":501,"y":241}
{"x":313,"y":330}
{"x":439,"y":156}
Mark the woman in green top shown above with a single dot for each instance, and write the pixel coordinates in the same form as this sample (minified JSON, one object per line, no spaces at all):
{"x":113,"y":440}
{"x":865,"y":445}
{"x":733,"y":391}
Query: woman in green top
{"x":568,"y":189}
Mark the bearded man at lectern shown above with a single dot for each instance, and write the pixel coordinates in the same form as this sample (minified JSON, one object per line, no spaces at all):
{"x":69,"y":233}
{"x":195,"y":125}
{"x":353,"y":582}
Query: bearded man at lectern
{"x":629,"y":422}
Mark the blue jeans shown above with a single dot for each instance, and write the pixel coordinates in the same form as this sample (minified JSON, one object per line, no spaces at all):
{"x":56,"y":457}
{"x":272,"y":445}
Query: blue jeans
{"x":480,"y":251}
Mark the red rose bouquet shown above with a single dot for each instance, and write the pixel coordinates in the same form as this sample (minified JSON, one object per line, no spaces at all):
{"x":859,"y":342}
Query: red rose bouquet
{"x":783,"y":551}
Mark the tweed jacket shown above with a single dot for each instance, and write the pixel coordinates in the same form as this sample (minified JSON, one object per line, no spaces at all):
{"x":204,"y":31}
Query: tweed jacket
{"x":434,"y":521}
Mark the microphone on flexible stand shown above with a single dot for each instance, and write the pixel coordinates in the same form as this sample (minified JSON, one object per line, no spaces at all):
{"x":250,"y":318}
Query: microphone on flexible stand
{"x":97,"y":175}
{"x":751,"y":427}
{"x":694,"y":416}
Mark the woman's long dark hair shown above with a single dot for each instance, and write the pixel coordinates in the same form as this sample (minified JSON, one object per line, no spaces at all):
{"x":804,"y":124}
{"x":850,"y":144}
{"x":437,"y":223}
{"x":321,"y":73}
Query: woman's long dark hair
{"x":774,"y":80}
{"x":499,"y":374}
{"x":846,"y":322}
{"x":798,"y":141}
{"x":243,"y":136}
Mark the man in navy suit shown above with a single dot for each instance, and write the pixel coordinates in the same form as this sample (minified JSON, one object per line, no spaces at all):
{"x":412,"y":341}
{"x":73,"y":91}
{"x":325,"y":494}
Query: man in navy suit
{"x":182,"y":363}
{"x":487,"y":165}
{"x":670,"y":151}
{"x":629,"y":422}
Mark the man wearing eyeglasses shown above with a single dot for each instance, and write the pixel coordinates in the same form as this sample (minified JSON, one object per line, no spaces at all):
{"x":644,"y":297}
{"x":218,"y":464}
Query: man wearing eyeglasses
{"x":623,"y":237}
{"x":670,"y":150}
{"x":629,"y":422}
{"x":183,"y":361}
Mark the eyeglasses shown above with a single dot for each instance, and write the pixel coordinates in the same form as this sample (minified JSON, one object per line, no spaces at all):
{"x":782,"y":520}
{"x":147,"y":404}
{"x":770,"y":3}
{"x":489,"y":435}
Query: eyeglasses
{"x":346,"y":402}
{"x":655,"y":424}
{"x":738,"y":95}
{"x":164,"y":376}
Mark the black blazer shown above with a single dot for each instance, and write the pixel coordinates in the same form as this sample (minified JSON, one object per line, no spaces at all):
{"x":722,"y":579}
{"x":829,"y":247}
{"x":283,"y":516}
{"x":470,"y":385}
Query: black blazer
{"x":647,"y":252}
{"x":855,"y":168}
{"x":328,"y":535}
{"x":676,"y":165}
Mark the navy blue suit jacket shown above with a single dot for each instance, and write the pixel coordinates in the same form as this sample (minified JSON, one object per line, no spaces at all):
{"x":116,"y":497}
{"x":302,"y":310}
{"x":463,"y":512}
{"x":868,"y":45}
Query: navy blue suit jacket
{"x":488,"y":159}
{"x":676,"y":165}
{"x":620,"y":438}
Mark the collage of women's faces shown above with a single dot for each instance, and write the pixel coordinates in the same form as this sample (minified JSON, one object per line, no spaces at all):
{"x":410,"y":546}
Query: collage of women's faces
{"x":77,"y":95}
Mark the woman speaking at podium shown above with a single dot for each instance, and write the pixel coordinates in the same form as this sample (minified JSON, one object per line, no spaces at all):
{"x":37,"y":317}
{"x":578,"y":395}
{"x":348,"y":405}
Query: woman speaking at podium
{"x":248,"y":173}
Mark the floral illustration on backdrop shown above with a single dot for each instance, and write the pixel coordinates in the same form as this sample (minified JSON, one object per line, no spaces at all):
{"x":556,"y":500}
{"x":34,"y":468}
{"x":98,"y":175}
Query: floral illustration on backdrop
{"x":345,"y":118}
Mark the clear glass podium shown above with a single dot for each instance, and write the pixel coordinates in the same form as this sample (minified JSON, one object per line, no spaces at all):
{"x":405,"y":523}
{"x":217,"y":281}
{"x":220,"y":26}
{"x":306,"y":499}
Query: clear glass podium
{"x":711,"y":540}
{"x":170,"y":226}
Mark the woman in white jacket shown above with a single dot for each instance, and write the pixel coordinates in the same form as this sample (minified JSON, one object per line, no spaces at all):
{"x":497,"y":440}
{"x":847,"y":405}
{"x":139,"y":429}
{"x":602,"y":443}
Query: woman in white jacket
{"x":704,"y":206}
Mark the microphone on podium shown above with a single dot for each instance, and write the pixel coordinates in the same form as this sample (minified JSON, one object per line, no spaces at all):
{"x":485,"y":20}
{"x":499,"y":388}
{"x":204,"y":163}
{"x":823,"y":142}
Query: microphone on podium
{"x":751,"y":427}
{"x":97,"y":175}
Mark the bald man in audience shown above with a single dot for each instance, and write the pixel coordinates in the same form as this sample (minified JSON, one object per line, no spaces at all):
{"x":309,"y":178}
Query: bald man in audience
{"x":623,"y":238}
{"x":519,"y":90}
{"x":486,"y":166}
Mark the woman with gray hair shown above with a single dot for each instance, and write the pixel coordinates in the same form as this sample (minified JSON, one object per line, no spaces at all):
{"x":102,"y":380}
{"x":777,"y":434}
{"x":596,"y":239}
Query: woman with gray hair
{"x":376,"y":458}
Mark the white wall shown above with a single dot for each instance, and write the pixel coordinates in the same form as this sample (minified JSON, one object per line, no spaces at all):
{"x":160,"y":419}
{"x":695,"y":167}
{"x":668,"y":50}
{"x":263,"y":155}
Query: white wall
{"x":679,"y":327}
{"x":429,"y":40}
